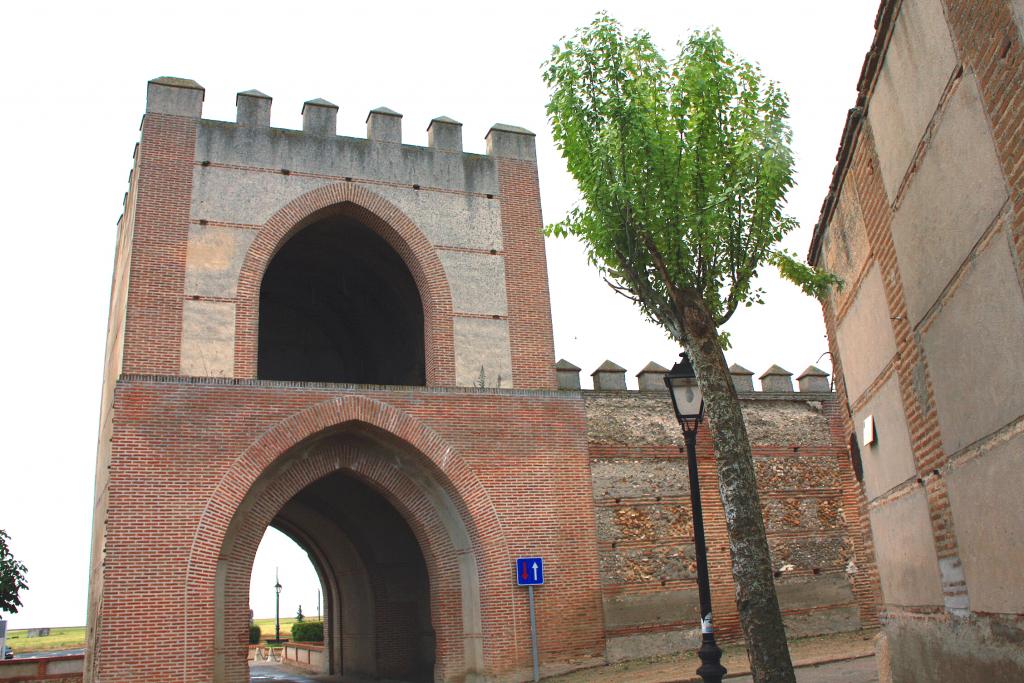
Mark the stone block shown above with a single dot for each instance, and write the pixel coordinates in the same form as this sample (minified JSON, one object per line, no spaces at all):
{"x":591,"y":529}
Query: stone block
{"x":819,"y":622}
{"x":477,"y":282}
{"x":776,"y":379}
{"x":988,"y":514}
{"x":176,"y":96}
{"x":742,"y":379}
{"x":641,"y":645}
{"x":644,"y":522}
{"x":215,"y":257}
{"x":955,"y":195}
{"x":796,"y":472}
{"x":609,"y":376}
{"x":482,"y":353}
{"x":511,"y":142}
{"x":973,"y":349}
{"x":845,"y":244}
{"x":320,"y":117}
{"x":643,"y":609}
{"x":448,"y":219}
{"x":226,"y":143}
{"x":813,"y":379}
{"x":889,"y":461}
{"x":636,"y":419}
{"x":955,"y":650}
{"x":801,"y":513}
{"x":865,"y":337}
{"x":786,"y":423}
{"x":818,"y":552}
{"x":252,"y":108}
{"x":905,"y":551}
{"x":805,"y":592}
{"x":445,"y":134}
{"x":208,"y":339}
{"x":652,"y":378}
{"x":384,"y":125}
{"x":919,"y":62}
{"x":647,"y":478}
{"x":673,"y":562}
{"x":568,"y":375}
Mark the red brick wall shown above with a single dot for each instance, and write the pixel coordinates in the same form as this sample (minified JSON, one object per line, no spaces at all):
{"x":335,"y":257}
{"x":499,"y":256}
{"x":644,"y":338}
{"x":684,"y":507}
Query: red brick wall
{"x":152,"y":342}
{"x":526,"y":276}
{"x":185,"y":452}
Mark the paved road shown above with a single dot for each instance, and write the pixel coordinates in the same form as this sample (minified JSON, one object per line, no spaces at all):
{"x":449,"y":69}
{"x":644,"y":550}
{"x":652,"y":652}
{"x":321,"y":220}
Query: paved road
{"x":861,"y":670}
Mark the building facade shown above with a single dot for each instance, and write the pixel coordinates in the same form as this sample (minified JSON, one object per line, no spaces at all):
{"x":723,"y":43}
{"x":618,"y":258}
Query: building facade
{"x":925,"y":223}
{"x":350,"y":340}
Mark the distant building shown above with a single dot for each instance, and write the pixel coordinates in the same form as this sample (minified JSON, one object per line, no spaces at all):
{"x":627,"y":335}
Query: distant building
{"x":925,"y":223}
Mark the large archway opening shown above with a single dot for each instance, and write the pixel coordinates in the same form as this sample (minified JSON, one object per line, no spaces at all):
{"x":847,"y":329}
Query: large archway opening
{"x":390,"y":542}
{"x":337,"y":304}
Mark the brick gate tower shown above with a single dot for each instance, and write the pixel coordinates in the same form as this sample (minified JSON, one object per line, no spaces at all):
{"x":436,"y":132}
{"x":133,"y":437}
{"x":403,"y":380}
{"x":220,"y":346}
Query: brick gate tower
{"x":349,"y":339}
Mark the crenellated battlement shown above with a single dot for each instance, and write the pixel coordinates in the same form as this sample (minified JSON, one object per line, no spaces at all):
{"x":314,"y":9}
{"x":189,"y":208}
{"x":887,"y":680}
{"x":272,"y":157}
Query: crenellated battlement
{"x":610,"y":376}
{"x":184,"y":97}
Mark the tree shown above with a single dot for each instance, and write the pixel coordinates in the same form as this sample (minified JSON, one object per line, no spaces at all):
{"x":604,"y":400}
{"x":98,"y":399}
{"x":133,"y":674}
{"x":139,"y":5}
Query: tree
{"x":299,"y":617}
{"x":683,"y":167}
{"x":12,"y":577}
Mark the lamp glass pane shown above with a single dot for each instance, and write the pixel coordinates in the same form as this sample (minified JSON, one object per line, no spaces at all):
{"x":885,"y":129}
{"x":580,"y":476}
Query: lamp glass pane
{"x":687,"y":397}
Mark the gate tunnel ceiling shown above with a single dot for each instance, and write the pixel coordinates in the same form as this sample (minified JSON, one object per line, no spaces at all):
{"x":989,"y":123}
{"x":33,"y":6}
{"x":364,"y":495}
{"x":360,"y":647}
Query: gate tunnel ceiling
{"x":389,"y":622}
{"x":337,"y":304}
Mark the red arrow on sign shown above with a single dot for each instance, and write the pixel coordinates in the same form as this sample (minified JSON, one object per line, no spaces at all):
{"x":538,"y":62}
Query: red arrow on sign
{"x":525,"y":575}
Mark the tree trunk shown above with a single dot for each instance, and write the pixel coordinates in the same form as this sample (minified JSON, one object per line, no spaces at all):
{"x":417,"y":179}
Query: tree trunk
{"x":756,"y":600}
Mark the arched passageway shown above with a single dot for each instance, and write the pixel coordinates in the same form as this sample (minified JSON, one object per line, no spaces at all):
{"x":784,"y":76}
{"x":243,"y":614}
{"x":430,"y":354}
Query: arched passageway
{"x":338,"y":304}
{"x":389,"y":539}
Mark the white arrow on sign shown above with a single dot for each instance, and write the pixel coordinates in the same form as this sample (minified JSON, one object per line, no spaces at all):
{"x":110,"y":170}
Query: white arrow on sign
{"x":535,"y":565}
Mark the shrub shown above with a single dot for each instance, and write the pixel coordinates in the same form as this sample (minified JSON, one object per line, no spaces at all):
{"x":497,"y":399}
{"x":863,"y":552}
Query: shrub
{"x":308,"y":631}
{"x":254,"y":634}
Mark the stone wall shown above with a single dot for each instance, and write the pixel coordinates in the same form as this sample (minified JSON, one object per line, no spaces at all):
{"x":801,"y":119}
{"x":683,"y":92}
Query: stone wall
{"x":644,"y":524}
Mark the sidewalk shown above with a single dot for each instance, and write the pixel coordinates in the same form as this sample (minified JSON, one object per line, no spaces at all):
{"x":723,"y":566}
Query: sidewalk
{"x":680,"y":668}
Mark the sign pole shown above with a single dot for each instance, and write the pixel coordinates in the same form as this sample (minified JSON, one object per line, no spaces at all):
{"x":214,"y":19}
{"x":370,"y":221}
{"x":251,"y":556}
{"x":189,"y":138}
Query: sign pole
{"x":533,"y":638}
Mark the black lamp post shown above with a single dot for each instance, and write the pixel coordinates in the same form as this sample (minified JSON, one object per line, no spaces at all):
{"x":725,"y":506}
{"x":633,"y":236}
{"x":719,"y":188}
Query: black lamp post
{"x":277,"y":607}
{"x":688,"y":403}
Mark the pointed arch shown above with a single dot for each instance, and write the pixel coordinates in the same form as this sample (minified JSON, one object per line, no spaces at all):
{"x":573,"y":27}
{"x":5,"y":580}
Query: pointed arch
{"x":427,"y":482}
{"x":386,"y":220}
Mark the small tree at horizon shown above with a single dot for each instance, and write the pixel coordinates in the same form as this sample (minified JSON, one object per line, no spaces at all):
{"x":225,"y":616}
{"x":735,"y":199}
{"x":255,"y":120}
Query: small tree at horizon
{"x":12,"y":577}
{"x":683,"y":168}
{"x":299,"y":616}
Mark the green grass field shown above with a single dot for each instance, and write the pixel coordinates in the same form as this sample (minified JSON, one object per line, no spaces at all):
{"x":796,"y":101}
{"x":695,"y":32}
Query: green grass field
{"x":60,"y":638}
{"x":72,"y":637}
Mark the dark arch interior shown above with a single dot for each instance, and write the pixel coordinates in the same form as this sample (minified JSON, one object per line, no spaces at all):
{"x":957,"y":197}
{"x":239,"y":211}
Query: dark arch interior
{"x":337,"y":304}
{"x":354,"y":518}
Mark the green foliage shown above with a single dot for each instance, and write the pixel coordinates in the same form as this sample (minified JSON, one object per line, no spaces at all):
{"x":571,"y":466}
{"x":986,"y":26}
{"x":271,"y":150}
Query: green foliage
{"x":299,"y":616}
{"x":12,"y":577}
{"x":683,"y":167}
{"x":255,"y":634}
{"x":308,"y":631}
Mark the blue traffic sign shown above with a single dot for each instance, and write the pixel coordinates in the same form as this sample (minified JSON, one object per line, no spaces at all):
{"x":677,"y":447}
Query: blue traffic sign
{"x":530,"y":571}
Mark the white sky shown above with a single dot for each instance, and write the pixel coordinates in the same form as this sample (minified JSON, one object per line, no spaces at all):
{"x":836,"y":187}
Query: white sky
{"x":74,"y":92}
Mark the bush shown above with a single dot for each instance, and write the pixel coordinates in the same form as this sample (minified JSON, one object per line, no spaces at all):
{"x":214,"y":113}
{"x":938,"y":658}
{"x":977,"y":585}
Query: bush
{"x":308,"y":631}
{"x":254,"y":634}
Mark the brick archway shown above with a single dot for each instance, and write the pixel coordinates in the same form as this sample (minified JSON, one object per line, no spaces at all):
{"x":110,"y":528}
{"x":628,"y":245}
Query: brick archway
{"x":390,"y":223}
{"x":426,"y":481}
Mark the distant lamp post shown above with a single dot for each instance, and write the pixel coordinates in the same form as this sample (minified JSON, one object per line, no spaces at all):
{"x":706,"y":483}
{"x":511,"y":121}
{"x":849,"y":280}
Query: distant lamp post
{"x":688,"y":403}
{"x":277,"y":607}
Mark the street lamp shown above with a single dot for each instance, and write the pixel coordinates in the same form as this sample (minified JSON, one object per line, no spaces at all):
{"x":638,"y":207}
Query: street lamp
{"x":688,"y":403}
{"x":277,"y":607}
